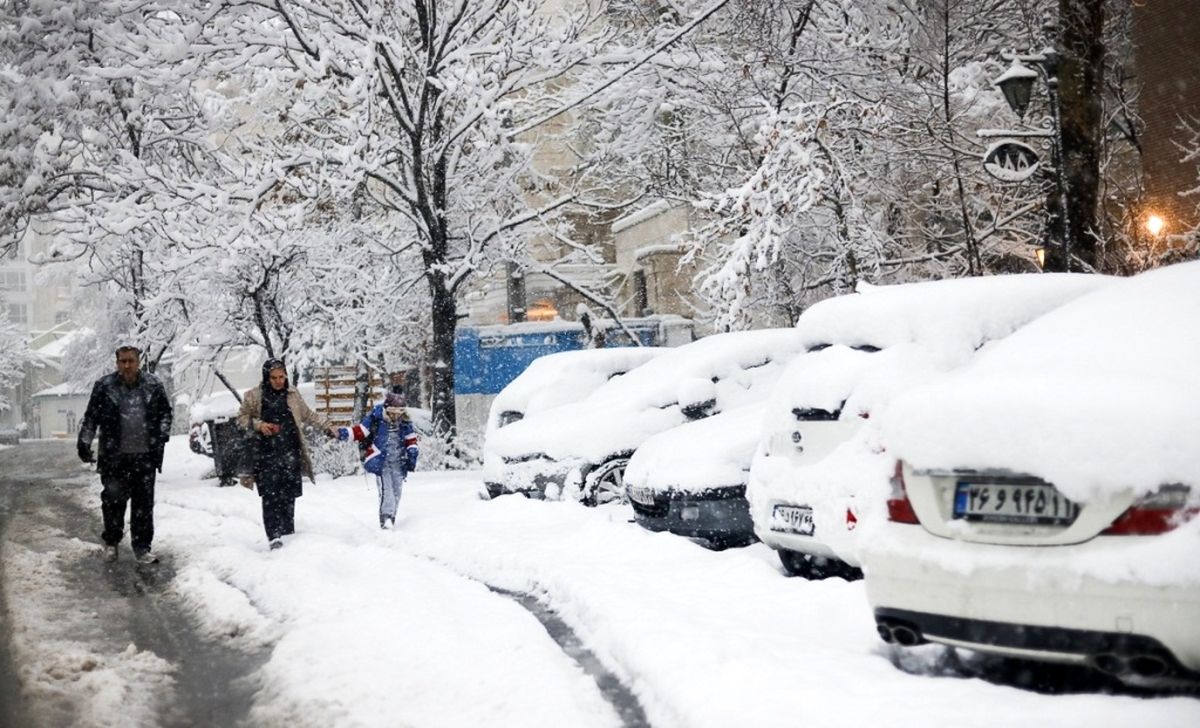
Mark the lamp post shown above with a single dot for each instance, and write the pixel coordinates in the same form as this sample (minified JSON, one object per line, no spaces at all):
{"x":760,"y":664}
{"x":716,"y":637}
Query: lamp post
{"x":1012,"y":161}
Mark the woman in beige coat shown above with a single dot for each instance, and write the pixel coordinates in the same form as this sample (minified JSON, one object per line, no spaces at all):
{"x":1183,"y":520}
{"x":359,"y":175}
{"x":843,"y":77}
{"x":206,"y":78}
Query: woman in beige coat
{"x":274,"y":413}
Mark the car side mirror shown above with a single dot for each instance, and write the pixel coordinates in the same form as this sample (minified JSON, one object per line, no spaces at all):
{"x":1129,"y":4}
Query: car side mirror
{"x":699,"y":410}
{"x":697,"y":398}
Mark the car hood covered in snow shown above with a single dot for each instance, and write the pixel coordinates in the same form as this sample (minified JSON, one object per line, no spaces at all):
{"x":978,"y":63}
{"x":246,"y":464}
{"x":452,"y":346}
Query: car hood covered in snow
{"x":710,"y":453}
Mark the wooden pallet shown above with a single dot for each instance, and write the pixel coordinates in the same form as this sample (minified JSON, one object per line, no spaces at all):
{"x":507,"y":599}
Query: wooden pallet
{"x":334,"y":389}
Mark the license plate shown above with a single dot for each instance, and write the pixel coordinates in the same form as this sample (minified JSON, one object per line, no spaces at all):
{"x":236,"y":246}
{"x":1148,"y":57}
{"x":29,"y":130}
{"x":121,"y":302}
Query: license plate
{"x":792,"y":519}
{"x":1026,"y":503}
{"x":642,"y":494}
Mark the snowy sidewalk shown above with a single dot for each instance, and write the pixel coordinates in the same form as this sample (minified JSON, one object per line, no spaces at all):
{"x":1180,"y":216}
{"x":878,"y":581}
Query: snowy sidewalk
{"x":374,"y":628}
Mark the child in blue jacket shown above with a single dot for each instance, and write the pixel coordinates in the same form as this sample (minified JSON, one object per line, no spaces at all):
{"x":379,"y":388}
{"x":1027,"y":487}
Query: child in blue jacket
{"x":391,"y":452}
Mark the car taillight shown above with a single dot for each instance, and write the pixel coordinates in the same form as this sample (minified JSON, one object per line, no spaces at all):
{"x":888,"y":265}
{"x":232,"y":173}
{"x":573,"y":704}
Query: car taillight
{"x":900,"y":509}
{"x":1159,"y":512}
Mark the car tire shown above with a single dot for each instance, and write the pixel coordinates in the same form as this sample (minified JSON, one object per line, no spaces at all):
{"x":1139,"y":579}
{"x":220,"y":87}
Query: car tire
{"x":606,"y":483}
{"x":816,"y":567}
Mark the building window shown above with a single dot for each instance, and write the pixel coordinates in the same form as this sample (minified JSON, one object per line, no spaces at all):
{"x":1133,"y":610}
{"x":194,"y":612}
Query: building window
{"x":12,"y":280}
{"x":542,"y":309}
{"x":61,"y":317}
{"x":18,"y":313}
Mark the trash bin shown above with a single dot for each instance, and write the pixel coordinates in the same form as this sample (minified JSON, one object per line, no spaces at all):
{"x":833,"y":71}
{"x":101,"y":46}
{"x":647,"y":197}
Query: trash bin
{"x":229,"y":447}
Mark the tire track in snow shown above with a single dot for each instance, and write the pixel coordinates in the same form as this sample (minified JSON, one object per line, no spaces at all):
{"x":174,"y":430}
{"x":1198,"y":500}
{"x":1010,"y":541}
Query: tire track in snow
{"x":618,"y":695}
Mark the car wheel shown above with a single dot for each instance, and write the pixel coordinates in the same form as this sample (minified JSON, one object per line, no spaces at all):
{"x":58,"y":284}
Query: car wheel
{"x":606,"y":483}
{"x":816,"y":567}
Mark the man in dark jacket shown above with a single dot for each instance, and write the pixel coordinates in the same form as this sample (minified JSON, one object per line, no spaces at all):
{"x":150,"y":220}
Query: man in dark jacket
{"x":133,"y":415}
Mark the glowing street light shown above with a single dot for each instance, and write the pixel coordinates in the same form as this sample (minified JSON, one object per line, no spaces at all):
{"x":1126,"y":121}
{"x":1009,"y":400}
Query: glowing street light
{"x":1155,"y":224}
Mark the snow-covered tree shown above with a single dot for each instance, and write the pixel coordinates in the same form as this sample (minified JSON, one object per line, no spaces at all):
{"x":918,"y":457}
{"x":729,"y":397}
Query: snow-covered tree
{"x":106,"y":144}
{"x":774,"y":114}
{"x":441,"y":115}
{"x":14,"y":356}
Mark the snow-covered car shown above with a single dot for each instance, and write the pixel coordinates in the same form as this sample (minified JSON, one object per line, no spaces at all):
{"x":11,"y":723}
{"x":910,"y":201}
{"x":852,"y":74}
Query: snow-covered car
{"x":580,"y":450}
{"x":550,"y":381}
{"x":10,"y":436}
{"x":820,"y":469}
{"x":691,"y":479}
{"x":1046,"y":502}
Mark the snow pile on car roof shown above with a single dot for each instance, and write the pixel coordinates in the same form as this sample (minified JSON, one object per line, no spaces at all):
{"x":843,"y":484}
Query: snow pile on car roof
{"x":724,"y":370}
{"x":559,"y":378}
{"x":1096,"y":397}
{"x":216,"y":406}
{"x":962,"y":312}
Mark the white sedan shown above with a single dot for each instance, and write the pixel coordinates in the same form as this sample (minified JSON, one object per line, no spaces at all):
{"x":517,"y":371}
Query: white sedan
{"x":1046,"y":503}
{"x":820,"y":471}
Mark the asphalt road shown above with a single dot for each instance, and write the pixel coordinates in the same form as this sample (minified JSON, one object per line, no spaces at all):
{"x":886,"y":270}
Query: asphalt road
{"x":44,"y":515}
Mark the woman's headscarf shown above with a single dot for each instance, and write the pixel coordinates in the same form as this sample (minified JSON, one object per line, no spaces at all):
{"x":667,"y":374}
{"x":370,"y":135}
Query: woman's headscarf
{"x":268,"y":366}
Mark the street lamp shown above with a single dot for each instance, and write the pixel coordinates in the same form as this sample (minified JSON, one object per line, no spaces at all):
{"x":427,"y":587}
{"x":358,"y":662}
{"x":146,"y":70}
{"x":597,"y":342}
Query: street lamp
{"x":1012,"y":161}
{"x":1017,"y":86}
{"x":1155,"y":224}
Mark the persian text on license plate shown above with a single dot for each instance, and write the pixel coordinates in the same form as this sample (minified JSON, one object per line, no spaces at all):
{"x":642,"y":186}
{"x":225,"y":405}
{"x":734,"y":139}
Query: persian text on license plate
{"x":792,"y":519}
{"x":1030,"y":503}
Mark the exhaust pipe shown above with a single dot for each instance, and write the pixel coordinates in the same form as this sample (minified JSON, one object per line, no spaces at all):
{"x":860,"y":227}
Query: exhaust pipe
{"x":1142,"y":665}
{"x":899,"y":633}
{"x":885,"y":632}
{"x":906,"y":636}
{"x":1110,"y":664}
{"x":1148,"y":665}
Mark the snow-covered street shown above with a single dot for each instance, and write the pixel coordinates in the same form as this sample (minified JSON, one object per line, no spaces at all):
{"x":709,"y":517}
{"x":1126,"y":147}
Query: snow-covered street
{"x":354,"y":626}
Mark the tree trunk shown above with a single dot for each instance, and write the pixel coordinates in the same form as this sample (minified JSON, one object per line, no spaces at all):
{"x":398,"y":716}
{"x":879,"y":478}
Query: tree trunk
{"x":445,"y":323}
{"x":1081,"y":81}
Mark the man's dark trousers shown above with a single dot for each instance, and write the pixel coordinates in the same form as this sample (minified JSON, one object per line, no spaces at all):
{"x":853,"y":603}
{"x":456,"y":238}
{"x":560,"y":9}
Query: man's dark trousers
{"x":129,"y":479}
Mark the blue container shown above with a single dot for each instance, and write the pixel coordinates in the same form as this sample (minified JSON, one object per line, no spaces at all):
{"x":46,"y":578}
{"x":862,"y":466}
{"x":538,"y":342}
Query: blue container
{"x":487,"y":358}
